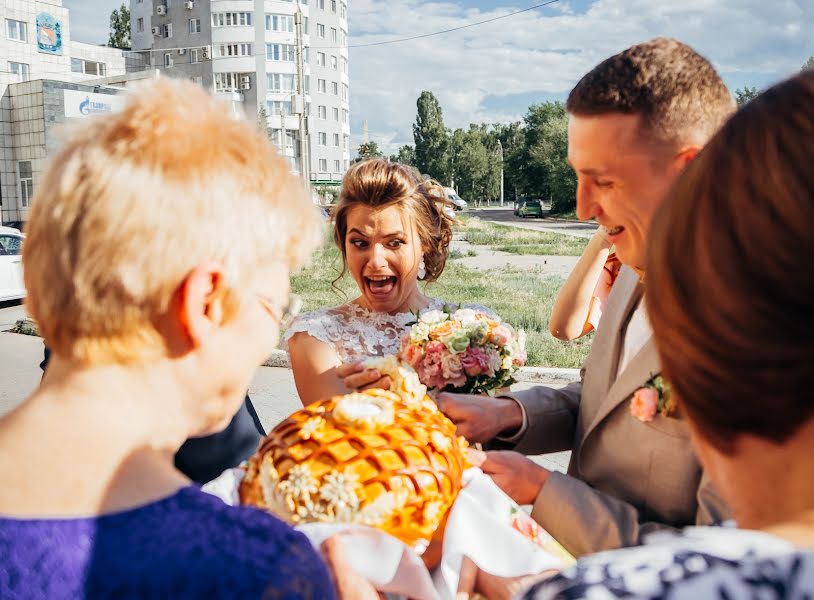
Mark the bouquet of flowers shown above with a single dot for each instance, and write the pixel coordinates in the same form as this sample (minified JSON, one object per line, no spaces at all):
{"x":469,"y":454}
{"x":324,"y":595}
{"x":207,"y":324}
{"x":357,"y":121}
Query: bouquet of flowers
{"x":464,"y":350}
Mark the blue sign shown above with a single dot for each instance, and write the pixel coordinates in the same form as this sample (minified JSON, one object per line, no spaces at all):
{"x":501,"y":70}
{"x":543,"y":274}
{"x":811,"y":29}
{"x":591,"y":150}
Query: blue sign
{"x":89,"y":107}
{"x":49,"y":34}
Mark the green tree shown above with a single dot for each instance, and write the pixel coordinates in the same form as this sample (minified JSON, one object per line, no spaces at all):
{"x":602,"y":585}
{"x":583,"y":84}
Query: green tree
{"x":405,"y":156}
{"x":475,"y":164}
{"x":430,"y":136}
{"x":809,"y":64}
{"x":511,"y":137}
{"x":742,"y":96}
{"x":368,"y":150}
{"x":120,"y":28}
{"x":263,"y":121}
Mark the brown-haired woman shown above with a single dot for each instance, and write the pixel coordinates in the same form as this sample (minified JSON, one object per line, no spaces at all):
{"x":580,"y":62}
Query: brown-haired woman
{"x":731,"y":299}
{"x":393,"y":229}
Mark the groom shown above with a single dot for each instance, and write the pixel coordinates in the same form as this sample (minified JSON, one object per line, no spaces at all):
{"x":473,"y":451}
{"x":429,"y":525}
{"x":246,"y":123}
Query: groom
{"x":635,"y":121}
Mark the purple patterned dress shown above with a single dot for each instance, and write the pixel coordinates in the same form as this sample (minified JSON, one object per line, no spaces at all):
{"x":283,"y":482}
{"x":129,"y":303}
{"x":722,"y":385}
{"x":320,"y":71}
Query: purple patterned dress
{"x":189,"y":545}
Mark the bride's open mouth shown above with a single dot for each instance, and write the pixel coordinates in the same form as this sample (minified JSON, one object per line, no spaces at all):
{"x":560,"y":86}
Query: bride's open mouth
{"x":381,"y":285}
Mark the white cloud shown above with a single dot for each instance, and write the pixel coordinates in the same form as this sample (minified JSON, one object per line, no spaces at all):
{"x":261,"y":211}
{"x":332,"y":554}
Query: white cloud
{"x":533,"y":54}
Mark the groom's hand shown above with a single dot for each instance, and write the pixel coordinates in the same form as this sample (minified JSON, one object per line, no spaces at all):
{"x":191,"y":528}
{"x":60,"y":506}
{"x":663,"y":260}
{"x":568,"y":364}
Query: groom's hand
{"x":481,"y":418}
{"x":519,"y":477}
{"x":356,"y":377}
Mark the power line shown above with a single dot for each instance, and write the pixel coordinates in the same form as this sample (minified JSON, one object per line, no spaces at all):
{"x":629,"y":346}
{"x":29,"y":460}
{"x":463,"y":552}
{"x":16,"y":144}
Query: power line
{"x":425,"y":35}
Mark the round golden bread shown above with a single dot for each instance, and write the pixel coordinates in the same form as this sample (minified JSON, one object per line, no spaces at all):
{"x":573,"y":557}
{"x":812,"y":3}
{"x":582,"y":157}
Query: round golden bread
{"x":374,"y":458}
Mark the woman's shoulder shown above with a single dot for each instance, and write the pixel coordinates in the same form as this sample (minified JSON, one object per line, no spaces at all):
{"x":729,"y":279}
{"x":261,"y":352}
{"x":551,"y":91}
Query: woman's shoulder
{"x":702,"y":562}
{"x":323,"y":323}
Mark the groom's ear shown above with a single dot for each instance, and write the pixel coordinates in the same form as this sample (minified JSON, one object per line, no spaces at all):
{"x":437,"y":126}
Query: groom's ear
{"x":199,"y":309}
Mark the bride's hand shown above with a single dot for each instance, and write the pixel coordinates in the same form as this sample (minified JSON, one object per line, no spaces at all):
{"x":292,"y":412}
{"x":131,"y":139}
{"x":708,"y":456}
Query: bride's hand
{"x":356,"y":377}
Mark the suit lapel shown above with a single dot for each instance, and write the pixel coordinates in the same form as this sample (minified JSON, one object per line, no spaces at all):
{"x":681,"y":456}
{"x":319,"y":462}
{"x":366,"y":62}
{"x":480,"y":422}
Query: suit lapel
{"x":641,"y":367}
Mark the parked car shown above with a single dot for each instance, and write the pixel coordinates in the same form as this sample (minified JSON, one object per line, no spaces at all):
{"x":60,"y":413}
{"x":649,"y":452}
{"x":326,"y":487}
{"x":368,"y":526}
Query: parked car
{"x":452,"y":196}
{"x":530,"y":208}
{"x":11,"y":266}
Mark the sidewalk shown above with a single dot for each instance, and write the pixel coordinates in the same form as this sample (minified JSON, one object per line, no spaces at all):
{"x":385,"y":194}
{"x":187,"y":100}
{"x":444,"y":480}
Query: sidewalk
{"x":272,"y":390}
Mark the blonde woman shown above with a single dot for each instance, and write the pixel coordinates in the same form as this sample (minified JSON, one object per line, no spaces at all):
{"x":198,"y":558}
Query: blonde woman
{"x":156,"y":264}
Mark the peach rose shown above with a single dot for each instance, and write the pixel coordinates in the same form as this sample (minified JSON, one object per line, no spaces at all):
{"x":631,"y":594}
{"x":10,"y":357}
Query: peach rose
{"x":644,"y":404}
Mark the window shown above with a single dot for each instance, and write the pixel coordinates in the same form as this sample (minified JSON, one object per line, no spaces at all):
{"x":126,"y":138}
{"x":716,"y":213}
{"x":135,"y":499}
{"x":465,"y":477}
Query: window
{"x":322,"y":112}
{"x":279,"y":107}
{"x":344,"y":65}
{"x":231,"y":19}
{"x":345,"y":92}
{"x":26,"y":179}
{"x":343,"y":10}
{"x":336,"y":166}
{"x":321,"y":4}
{"x":321,"y":59}
{"x":334,"y":64}
{"x":194,"y":56}
{"x":334,"y":88}
{"x":343,"y":38}
{"x":323,"y":138}
{"x":168,"y":60}
{"x":19,"y":71}
{"x":167,"y":30}
{"x":17,"y":30}
{"x":336,"y":141}
{"x":321,"y":85}
{"x":194,"y":25}
{"x":323,"y":165}
{"x":345,"y":116}
{"x":283,"y":23}
{"x":333,"y":6}
{"x":333,"y":34}
{"x":198,"y":80}
{"x":346,"y":143}
{"x":234,"y":50}
{"x":227,"y":82}
{"x":321,"y":30}
{"x":336,"y":114}
{"x":88,"y":67}
{"x":281,"y":52}
{"x":140,"y":25}
{"x":305,"y":25}
{"x":307,"y":87}
{"x":282,"y":82}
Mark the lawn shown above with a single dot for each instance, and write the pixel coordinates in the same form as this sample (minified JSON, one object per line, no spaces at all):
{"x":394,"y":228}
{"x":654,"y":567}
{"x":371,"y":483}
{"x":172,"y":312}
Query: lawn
{"x":522,"y":298}
{"x":518,"y":241}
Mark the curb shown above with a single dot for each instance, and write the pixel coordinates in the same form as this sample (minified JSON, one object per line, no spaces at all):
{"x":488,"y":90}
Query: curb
{"x":279,"y":360}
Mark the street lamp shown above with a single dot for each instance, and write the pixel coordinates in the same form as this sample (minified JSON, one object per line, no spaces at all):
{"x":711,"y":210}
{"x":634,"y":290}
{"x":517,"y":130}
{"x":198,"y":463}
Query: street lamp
{"x":500,"y":149}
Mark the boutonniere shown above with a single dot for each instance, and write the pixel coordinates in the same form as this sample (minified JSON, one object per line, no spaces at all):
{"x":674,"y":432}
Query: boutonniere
{"x":655,"y":397}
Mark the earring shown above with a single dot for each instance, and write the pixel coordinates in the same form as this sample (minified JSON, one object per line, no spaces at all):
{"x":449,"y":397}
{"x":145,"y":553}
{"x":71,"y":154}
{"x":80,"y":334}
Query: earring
{"x":422,"y":269}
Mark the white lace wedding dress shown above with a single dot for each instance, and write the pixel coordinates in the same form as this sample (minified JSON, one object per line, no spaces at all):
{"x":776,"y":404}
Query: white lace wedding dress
{"x":356,"y":333}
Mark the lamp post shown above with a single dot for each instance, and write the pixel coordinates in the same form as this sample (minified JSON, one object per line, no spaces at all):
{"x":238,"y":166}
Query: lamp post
{"x":500,"y":149}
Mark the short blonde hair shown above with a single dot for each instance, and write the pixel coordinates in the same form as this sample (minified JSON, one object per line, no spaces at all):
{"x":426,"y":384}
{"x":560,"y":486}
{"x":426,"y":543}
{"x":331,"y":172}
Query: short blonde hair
{"x":135,"y":200}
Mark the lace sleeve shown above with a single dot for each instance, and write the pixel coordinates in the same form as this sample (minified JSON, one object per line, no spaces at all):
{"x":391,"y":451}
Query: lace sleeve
{"x":314,"y":324}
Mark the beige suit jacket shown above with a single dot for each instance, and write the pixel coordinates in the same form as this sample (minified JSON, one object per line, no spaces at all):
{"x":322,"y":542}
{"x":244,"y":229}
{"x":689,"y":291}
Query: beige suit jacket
{"x":626,"y":478}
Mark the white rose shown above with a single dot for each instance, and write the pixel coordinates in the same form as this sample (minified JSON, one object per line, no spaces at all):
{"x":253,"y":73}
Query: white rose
{"x":465,"y":315}
{"x":431,"y":317}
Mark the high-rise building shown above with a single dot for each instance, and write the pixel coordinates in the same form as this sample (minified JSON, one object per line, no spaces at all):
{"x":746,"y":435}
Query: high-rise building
{"x":245,"y":51}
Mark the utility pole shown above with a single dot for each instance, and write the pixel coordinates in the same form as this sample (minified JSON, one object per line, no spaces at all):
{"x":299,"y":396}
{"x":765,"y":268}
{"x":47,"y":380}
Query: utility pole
{"x":305,"y":162}
{"x":500,"y":148}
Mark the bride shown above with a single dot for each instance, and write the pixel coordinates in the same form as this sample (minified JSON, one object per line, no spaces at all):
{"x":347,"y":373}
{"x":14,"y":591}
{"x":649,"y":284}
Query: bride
{"x":392,"y":228}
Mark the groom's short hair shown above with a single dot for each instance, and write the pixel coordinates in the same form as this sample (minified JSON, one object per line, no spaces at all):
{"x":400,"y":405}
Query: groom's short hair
{"x":678,"y":93}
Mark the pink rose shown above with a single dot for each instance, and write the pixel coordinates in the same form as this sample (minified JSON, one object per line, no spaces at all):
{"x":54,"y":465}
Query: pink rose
{"x":495,"y":362}
{"x":500,"y":335}
{"x":430,"y":369}
{"x":412,"y":354}
{"x":644,"y":404}
{"x":452,"y":369}
{"x":475,"y":361}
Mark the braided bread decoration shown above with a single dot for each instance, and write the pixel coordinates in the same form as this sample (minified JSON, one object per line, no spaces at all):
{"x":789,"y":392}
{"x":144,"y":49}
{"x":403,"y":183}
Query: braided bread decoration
{"x":375,"y":458}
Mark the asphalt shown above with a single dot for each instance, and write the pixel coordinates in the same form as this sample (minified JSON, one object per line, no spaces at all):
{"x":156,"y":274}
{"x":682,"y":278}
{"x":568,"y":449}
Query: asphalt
{"x":505,"y":216}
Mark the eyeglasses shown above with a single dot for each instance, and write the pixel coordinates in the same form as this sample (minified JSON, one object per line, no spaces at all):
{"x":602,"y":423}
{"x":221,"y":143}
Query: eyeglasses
{"x":286,"y":314}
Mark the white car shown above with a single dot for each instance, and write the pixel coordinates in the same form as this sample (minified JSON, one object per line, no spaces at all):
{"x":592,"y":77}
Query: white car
{"x":452,"y":196}
{"x":11,"y":264}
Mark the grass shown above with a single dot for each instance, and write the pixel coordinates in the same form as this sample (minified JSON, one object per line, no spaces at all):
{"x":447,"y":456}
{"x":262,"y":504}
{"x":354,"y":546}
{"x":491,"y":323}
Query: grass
{"x":519,"y":241}
{"x":522,"y":298}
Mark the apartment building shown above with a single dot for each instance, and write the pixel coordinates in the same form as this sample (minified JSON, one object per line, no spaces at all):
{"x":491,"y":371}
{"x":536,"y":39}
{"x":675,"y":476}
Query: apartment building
{"x":245,"y":52}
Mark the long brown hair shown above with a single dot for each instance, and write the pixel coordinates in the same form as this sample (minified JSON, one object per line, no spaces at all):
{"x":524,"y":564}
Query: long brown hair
{"x":730,"y":272}
{"x":377,"y":183}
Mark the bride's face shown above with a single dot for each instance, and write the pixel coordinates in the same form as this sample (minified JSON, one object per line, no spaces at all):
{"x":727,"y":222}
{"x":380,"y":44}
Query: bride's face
{"x":383,"y":252}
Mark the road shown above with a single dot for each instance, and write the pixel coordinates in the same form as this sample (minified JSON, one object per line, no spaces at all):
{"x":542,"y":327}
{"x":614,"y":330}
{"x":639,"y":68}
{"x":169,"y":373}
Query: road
{"x":506,"y":216}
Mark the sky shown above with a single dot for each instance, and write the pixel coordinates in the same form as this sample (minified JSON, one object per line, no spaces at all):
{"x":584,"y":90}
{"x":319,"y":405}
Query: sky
{"x":493,"y":72}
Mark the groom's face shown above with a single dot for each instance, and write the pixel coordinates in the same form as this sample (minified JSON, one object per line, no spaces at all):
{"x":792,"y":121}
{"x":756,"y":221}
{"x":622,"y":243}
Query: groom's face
{"x":622,"y":175}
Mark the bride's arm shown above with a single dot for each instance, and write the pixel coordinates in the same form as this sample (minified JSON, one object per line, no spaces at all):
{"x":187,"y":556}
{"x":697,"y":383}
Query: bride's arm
{"x":314,"y":365}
